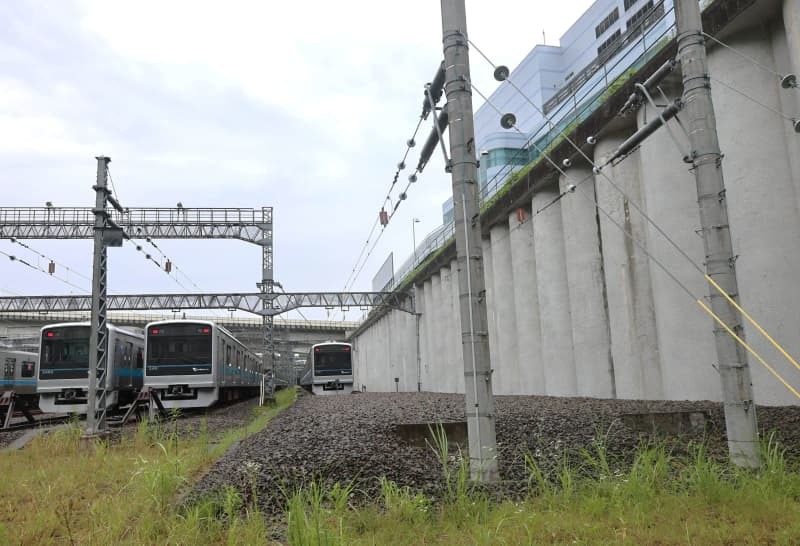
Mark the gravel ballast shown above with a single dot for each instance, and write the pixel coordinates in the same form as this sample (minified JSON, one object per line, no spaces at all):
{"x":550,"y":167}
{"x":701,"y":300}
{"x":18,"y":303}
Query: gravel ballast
{"x":354,"y":438}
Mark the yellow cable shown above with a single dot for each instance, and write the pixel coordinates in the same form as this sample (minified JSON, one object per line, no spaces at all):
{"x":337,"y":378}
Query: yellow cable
{"x":746,"y":346}
{"x":753,"y":322}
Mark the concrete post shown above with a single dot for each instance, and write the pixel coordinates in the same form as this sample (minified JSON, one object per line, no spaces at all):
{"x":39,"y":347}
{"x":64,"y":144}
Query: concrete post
{"x":737,"y":390}
{"x":439,"y":361}
{"x":428,"y":355}
{"x":553,"y":292}
{"x":477,"y":365}
{"x":491,"y":313}
{"x":594,"y":366}
{"x":418,"y":333}
{"x":791,"y":23}
{"x":458,"y":383}
{"x":786,"y":51}
{"x":634,"y":339}
{"x":759,"y":180}
{"x":506,"y":361}
{"x":526,"y":303}
{"x":451,"y":370}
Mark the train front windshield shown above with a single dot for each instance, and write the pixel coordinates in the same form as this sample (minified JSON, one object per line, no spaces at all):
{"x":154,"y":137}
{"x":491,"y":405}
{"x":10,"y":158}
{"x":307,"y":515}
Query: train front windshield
{"x":179,"y":349}
{"x":333,"y":360}
{"x":65,"y":353}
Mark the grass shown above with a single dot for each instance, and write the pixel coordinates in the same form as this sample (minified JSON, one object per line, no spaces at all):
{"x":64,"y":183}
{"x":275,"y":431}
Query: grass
{"x":658,"y":499}
{"x":61,"y":490}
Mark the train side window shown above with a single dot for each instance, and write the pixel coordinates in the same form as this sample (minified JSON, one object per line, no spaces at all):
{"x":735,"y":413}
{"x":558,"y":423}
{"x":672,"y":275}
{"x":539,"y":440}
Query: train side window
{"x":139,"y":359}
{"x":11,"y":363}
{"x":228,"y":355}
{"x":119,"y":353}
{"x":28,"y":369}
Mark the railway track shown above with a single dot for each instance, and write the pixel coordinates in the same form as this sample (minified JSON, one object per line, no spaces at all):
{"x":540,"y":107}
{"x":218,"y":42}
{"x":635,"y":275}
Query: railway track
{"x":43,"y":422}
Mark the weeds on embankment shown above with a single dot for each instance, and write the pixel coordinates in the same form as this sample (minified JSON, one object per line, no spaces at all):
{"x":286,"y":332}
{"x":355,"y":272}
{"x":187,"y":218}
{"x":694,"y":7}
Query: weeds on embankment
{"x":659,"y":499}
{"x":60,"y":490}
{"x":57,"y":491}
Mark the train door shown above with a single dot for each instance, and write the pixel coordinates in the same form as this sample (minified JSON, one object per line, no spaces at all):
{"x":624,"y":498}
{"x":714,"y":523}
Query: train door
{"x":8,"y":373}
{"x":221,"y":359}
{"x":127,"y":358}
{"x":117,"y":379}
{"x":138,"y":376}
{"x":228,"y":364}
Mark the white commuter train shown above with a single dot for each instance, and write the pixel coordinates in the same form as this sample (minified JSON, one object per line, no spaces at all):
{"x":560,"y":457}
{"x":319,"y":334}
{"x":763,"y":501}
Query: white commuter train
{"x":195,"y":363}
{"x":329,"y":369}
{"x":19,"y":373}
{"x":63,"y":369}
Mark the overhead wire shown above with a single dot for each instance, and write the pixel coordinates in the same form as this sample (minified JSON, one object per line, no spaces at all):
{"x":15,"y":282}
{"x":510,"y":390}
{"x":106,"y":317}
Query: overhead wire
{"x":42,"y":255}
{"x":28,"y":264}
{"x":628,"y":234}
{"x":753,"y":99}
{"x":573,"y":187}
{"x":148,"y":256}
{"x":598,"y":169}
{"x":744,"y":56}
{"x":683,"y":287}
{"x":172,"y":262}
{"x":410,"y":143}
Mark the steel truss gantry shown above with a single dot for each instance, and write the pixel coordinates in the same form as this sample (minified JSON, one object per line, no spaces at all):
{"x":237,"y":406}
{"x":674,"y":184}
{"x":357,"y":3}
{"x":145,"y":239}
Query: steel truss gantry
{"x":251,"y":225}
{"x":258,"y":303}
{"x":247,"y":224}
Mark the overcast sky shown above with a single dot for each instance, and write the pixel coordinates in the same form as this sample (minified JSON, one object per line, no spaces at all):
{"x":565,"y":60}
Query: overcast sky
{"x":302,"y":106}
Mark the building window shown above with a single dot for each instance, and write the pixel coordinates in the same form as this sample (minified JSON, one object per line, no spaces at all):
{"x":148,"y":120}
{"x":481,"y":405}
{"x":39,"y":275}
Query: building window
{"x":606,"y":23}
{"x":637,"y":17}
{"x":629,"y":3}
{"x":609,"y":42}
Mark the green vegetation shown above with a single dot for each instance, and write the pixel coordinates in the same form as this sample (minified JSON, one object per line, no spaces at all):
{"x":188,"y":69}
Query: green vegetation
{"x":61,"y":490}
{"x":659,"y":499}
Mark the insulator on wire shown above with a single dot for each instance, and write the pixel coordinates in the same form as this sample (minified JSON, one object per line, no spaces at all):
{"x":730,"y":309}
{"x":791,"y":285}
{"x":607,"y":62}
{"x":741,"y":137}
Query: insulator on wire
{"x":168,"y":266}
{"x":51,"y":267}
{"x":435,"y":89}
{"x":384,"y":217}
{"x":433,"y":140}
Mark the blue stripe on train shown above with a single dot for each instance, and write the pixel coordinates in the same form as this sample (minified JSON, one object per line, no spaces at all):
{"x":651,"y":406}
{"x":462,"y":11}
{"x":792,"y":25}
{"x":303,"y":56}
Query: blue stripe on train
{"x":17,"y":381}
{"x":122,"y":372}
{"x":178,"y":365}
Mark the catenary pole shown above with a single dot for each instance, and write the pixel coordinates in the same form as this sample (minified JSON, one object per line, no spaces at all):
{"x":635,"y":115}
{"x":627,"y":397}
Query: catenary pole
{"x":98,"y":357}
{"x":737,"y":388}
{"x":463,"y":165}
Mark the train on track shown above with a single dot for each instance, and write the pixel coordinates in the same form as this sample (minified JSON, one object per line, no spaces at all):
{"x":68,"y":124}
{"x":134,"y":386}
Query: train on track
{"x":329,"y":369}
{"x":18,"y":384}
{"x":63,"y":368}
{"x":196,"y":363}
{"x":19,"y":373}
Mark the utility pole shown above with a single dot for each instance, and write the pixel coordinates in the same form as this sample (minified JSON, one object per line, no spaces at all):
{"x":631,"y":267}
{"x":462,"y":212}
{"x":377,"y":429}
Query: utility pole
{"x":98,"y":337}
{"x":737,"y":389}
{"x":463,"y":165}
